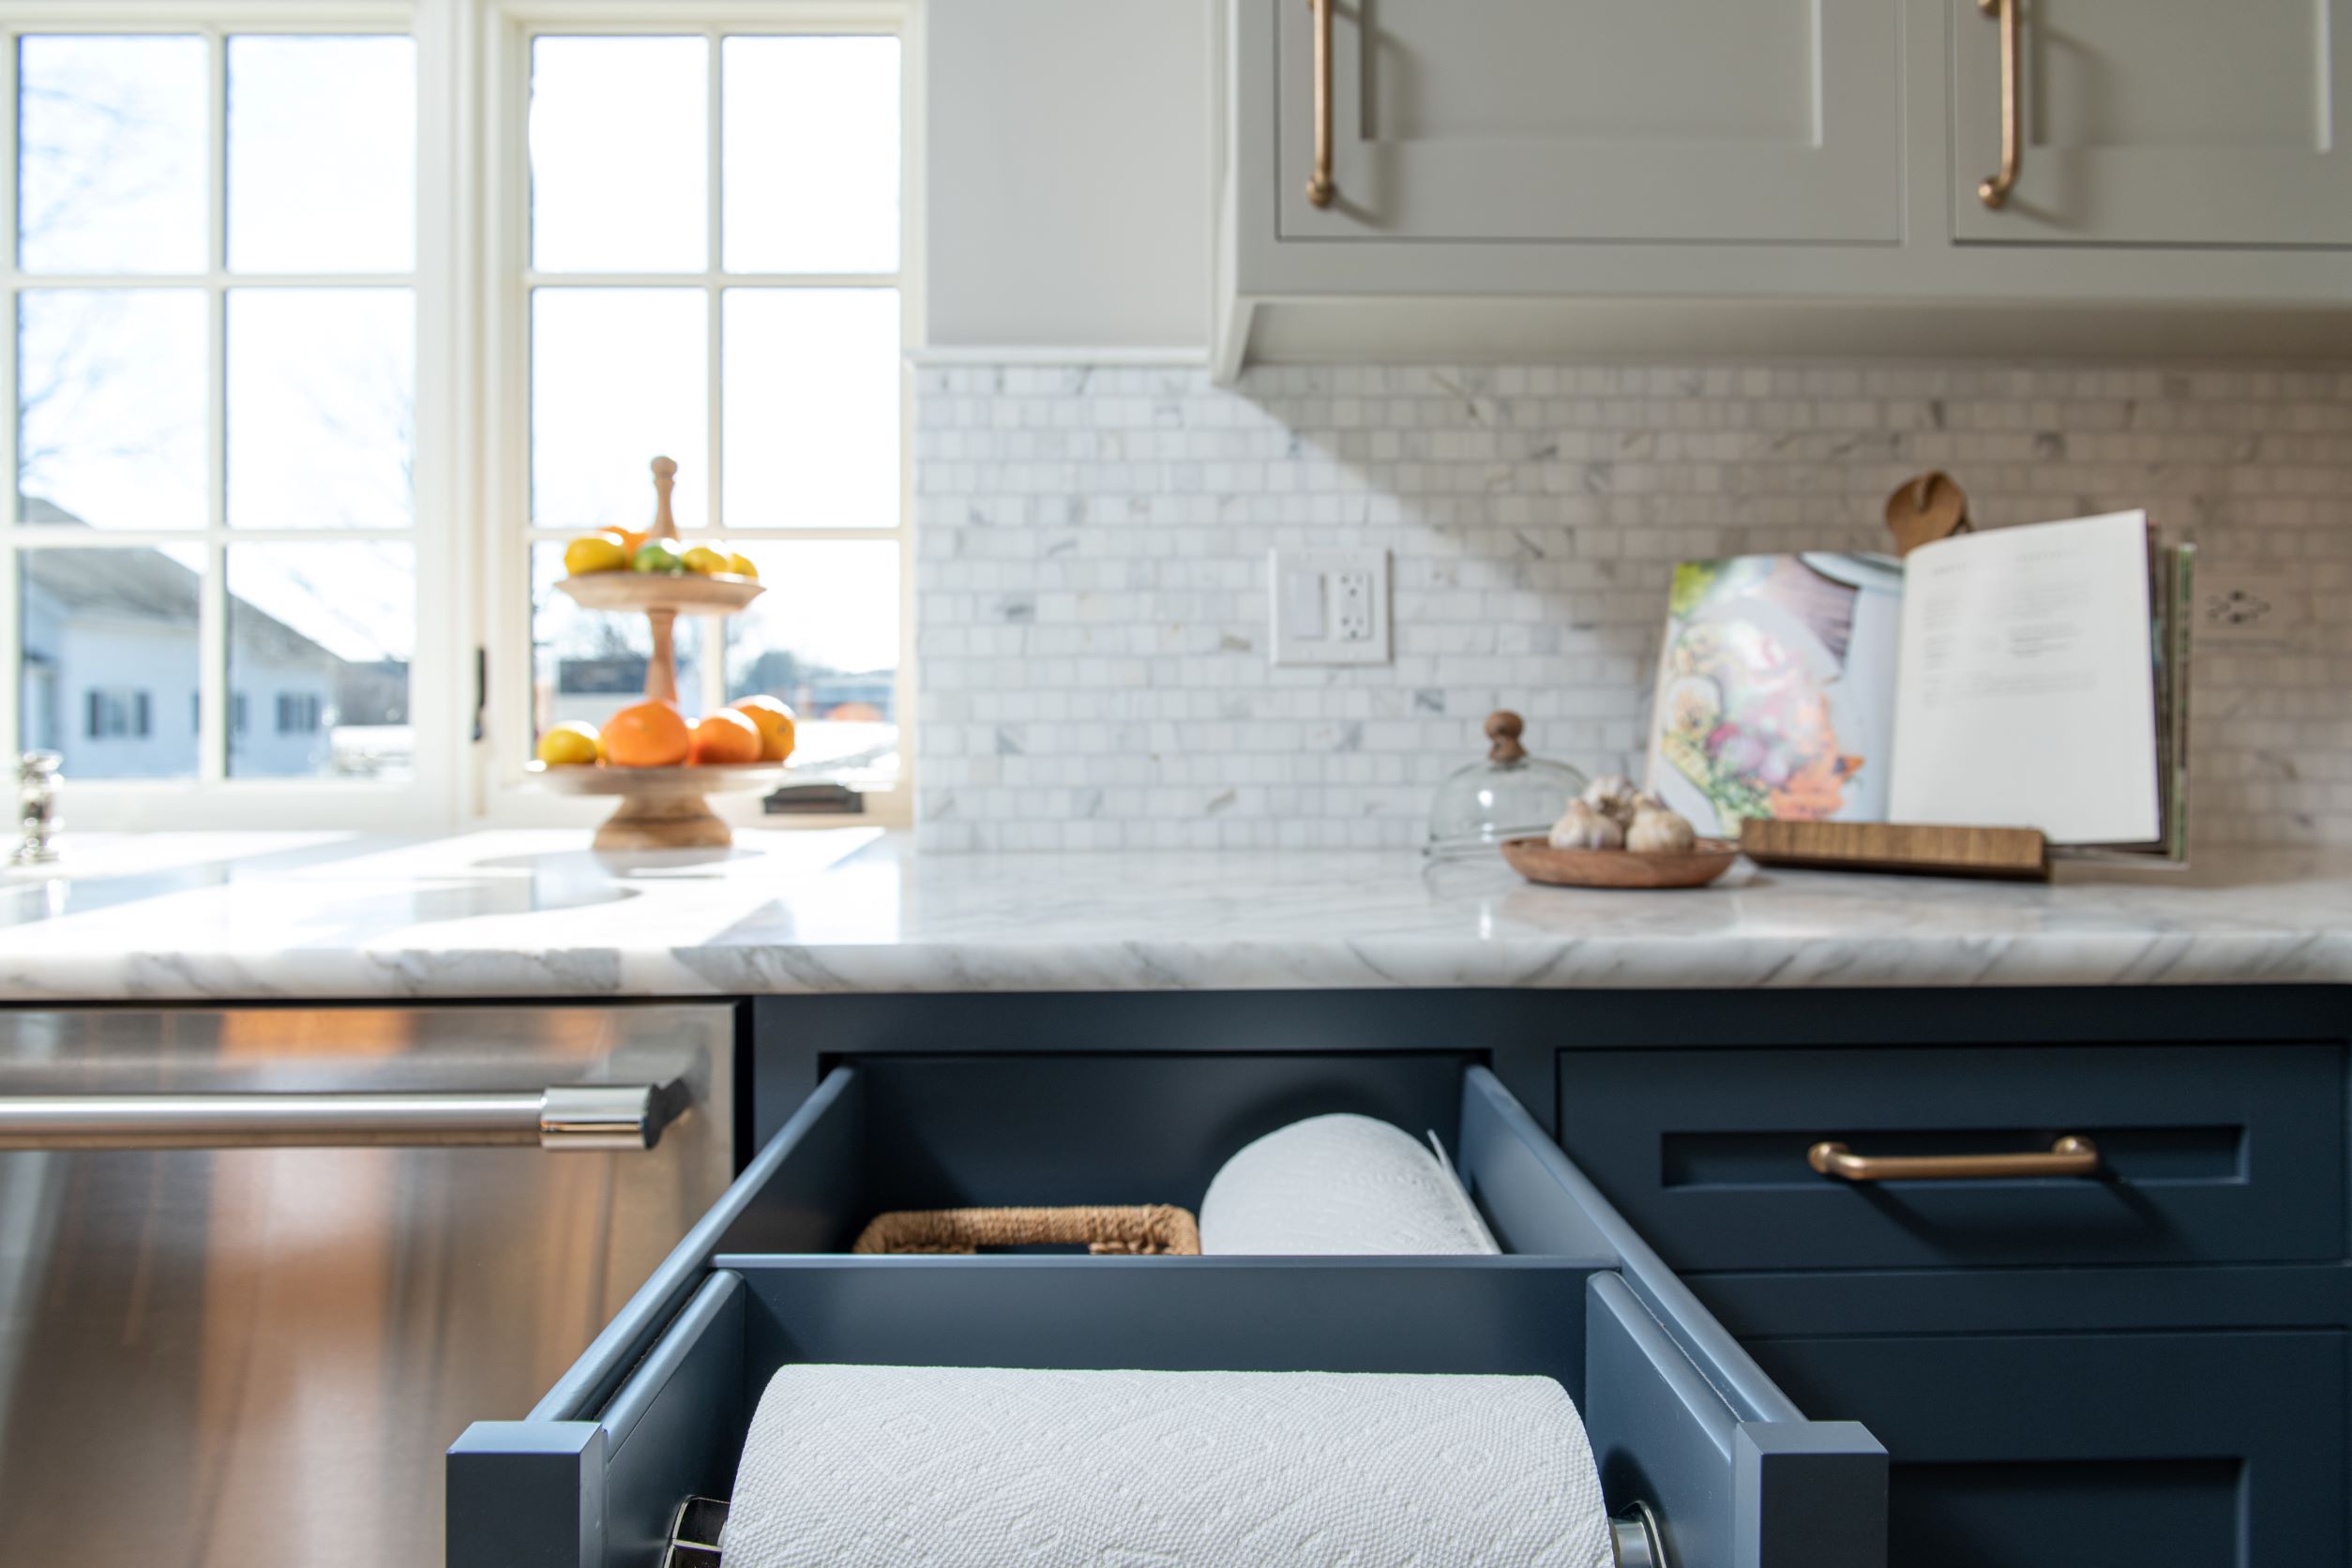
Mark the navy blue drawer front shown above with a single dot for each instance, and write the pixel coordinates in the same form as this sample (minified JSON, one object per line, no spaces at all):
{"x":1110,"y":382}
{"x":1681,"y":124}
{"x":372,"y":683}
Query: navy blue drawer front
{"x":2214,"y":1450}
{"x":2207,"y":1154}
{"x":1680,"y":1419}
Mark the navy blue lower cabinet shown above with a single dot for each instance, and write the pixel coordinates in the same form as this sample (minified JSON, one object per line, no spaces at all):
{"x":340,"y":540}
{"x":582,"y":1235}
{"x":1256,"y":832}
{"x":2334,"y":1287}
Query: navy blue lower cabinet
{"x":2193,"y":1450}
{"x":1682,"y":1422}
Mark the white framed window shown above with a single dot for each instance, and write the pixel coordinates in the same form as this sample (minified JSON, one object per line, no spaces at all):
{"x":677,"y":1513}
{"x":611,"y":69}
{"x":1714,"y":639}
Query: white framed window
{"x":699,"y":250}
{"x":331,"y":321}
{"x":212,"y":279}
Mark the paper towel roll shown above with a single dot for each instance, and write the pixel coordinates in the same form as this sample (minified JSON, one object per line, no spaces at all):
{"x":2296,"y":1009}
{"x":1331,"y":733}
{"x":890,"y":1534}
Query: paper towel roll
{"x":884,"y":1467}
{"x":1339,"y":1184}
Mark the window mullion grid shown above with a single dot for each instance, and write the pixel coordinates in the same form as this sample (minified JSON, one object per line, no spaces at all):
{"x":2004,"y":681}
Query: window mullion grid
{"x":11,"y":638}
{"x":714,"y":672}
{"x":212,"y":611}
{"x":714,"y":279}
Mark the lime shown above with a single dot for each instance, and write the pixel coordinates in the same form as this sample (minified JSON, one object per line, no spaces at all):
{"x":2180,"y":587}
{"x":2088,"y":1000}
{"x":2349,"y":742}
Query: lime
{"x":659,"y":556}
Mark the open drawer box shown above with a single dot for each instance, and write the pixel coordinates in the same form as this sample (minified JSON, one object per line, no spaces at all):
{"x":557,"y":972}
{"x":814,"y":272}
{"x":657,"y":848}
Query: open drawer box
{"x":1682,"y":1424}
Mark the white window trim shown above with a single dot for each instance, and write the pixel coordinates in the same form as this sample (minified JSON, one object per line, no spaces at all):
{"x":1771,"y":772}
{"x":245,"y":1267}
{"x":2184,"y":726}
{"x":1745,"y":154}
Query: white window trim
{"x":503,"y":796}
{"x":212,"y":799}
{"x":470,"y":459}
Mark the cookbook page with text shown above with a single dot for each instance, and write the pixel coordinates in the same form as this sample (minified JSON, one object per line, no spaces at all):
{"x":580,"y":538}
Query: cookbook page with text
{"x":2027,"y":697}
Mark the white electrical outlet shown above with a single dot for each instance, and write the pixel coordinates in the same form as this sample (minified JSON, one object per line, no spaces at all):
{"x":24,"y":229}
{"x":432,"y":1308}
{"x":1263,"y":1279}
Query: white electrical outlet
{"x":2242,"y":609}
{"x":1330,"y":607}
{"x":1351,"y":605}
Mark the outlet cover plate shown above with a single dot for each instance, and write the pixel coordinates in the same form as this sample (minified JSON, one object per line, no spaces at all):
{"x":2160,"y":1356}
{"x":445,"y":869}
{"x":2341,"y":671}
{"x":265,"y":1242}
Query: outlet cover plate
{"x":2240,"y":607}
{"x":1328,"y":606}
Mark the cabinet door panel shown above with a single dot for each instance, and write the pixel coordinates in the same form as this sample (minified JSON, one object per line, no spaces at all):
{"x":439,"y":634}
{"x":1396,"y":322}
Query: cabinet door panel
{"x":2216,"y":1450}
{"x":2159,"y":122}
{"x":1580,"y":120}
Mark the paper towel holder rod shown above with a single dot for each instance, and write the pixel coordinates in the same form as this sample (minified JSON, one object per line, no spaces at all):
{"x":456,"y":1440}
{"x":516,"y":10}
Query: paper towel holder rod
{"x":1633,"y":1539}
{"x":694,"y":1536}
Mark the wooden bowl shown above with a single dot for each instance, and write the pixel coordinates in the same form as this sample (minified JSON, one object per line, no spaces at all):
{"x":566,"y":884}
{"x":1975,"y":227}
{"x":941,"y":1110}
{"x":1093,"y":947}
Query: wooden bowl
{"x":1538,"y":862}
{"x":688,"y":593}
{"x":661,"y":808}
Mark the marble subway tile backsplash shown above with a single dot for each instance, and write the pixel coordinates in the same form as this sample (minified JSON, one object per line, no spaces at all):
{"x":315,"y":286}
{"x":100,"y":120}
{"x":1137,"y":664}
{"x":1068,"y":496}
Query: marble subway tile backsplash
{"x":1092,"y":592}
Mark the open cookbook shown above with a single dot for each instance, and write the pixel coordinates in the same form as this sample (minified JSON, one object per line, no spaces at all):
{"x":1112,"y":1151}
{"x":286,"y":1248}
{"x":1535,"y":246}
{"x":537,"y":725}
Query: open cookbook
{"x":2021,"y":677}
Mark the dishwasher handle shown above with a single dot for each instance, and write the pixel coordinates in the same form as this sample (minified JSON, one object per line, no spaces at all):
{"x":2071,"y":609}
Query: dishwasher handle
{"x":581,"y":1116}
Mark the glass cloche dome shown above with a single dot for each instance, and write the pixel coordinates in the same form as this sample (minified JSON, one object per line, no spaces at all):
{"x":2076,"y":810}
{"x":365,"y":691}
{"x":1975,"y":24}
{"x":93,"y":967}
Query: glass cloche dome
{"x":1508,"y":795}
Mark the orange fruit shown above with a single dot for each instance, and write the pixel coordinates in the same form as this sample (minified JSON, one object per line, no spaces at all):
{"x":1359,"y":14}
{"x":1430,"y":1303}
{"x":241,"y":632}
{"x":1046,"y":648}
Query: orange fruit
{"x":647,"y":735}
{"x":630,"y":543}
{"x":725,"y":736}
{"x":774,"y":720}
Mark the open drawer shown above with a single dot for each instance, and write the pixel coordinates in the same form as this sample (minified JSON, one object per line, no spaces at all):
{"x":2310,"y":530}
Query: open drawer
{"x":1682,"y":1424}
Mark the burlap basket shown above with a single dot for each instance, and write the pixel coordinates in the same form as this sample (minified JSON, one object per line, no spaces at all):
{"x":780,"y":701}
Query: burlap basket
{"x":1154,"y":1228}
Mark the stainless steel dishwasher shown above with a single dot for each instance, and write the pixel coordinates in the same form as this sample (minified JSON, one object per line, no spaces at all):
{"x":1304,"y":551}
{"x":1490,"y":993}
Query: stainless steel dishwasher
{"x":260,"y":1266}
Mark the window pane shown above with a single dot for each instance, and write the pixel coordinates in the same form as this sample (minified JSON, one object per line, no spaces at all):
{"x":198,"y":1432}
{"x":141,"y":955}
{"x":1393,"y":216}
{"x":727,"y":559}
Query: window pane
{"x":322,"y":154}
{"x":619,"y":154}
{"x":111,"y":154}
{"x":321,"y":405}
{"x":320,"y":638}
{"x":812,"y":408}
{"x":109,"y":668}
{"x":812,"y":164}
{"x":111,"y":407}
{"x":617,"y":380}
{"x":824,"y":638}
{"x":590,"y":665}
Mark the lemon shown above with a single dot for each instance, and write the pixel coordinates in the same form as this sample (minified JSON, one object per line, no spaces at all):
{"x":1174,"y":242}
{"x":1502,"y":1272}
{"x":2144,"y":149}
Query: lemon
{"x":659,"y":556}
{"x":704,"y":559}
{"x":570,"y":745}
{"x":593,"y":553}
{"x":741,"y":565}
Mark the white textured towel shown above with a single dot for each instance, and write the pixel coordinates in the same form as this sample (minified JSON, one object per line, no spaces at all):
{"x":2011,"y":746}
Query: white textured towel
{"x":928,"y":1467}
{"x":1338,"y":1185}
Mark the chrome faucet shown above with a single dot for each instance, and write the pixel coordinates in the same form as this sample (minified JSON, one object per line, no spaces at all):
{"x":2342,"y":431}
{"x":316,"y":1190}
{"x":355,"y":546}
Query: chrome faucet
{"x":37,"y":784}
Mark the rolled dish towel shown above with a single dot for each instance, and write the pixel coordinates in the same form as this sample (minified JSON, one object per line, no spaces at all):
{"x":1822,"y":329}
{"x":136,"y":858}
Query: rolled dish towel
{"x":1339,"y":1184}
{"x":889,"y":1467}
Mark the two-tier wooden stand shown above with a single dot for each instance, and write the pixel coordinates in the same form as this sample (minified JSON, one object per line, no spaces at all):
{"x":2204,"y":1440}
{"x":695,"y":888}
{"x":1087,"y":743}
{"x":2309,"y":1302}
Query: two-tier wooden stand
{"x":661,"y":808}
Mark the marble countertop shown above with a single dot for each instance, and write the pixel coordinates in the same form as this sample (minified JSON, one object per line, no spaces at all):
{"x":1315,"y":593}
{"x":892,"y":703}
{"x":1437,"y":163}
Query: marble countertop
{"x":230,"y":916}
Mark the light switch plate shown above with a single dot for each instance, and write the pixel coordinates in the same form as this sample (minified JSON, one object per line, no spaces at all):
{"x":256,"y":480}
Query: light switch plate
{"x":2237,"y":608}
{"x":1329,"y":605}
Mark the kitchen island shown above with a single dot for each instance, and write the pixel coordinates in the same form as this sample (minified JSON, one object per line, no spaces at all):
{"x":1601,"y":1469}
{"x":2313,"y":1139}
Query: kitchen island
{"x":2149,"y":1359}
{"x":535,"y":913}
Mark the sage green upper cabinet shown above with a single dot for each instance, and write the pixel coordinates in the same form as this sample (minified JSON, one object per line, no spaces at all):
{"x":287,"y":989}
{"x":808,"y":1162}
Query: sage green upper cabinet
{"x":1520,"y":180}
{"x":1592,"y":120}
{"x":2157,"y":122}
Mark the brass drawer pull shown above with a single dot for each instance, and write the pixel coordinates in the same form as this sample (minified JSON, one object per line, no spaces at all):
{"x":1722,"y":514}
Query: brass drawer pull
{"x":1995,"y":192}
{"x":1319,"y":190}
{"x":2068,"y":1156}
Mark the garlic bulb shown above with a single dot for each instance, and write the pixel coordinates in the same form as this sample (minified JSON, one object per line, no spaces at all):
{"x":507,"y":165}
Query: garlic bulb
{"x":1582,"y":828}
{"x":1659,"y":831}
{"x":1612,"y":794}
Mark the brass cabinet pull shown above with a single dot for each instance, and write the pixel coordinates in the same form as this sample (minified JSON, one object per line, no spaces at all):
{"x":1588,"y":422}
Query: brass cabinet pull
{"x":2068,"y":1156}
{"x":1319,"y":190}
{"x":1995,"y":192}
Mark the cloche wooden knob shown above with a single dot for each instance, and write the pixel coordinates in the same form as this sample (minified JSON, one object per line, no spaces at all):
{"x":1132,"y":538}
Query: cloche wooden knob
{"x":1503,"y":729}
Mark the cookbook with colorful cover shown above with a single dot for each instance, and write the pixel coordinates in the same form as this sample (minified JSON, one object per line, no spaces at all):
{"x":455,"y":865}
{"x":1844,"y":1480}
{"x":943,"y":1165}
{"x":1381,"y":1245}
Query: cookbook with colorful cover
{"x":2030,"y":677}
